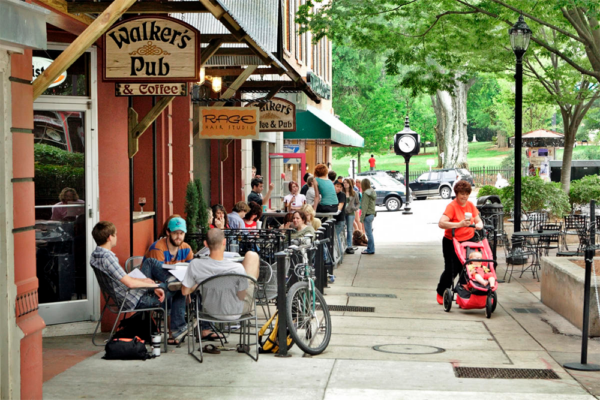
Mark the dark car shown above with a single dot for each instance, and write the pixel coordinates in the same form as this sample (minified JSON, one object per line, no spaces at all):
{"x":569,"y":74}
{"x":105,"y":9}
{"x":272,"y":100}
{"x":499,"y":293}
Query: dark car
{"x":438,"y":182}
{"x":394,"y":174}
{"x":390,"y":192}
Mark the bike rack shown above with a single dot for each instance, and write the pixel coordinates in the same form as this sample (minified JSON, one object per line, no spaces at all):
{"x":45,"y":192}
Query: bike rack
{"x":282,"y":304}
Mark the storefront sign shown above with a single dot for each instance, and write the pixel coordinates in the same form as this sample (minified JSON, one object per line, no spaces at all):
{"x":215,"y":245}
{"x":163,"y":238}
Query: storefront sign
{"x":151,"y":89}
{"x":152,"y":49}
{"x":39,"y":65}
{"x":322,"y":89}
{"x":229,"y":122}
{"x":277,"y":115}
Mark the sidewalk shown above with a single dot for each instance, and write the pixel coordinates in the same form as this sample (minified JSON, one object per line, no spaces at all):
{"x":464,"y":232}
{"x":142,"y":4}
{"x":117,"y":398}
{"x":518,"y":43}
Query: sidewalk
{"x":421,"y":346}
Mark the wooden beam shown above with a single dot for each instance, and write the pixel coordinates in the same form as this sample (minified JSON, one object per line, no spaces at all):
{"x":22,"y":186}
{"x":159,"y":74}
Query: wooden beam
{"x":210,"y":50}
{"x":236,"y":51}
{"x":80,"y":45}
{"x":237,"y":71}
{"x":230,"y":92}
{"x":61,"y":18}
{"x":273,"y":91}
{"x":136,"y":129}
{"x":226,"y":37}
{"x":146,"y":7}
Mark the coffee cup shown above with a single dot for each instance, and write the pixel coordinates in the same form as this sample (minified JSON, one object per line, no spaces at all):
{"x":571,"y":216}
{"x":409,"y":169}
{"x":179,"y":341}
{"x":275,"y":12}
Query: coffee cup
{"x":156,"y":339}
{"x":264,"y":207}
{"x":468,"y":216}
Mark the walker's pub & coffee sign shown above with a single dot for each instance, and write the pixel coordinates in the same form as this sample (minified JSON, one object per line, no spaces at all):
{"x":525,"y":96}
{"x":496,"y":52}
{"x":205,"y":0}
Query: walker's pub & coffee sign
{"x":151,"y":89}
{"x":277,"y":115}
{"x":229,"y":122}
{"x":152,"y":49}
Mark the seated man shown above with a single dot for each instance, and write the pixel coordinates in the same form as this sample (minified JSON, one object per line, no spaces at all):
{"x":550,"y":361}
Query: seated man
{"x":236,"y":217}
{"x":104,"y":260}
{"x":232,"y":302}
{"x":171,"y":249}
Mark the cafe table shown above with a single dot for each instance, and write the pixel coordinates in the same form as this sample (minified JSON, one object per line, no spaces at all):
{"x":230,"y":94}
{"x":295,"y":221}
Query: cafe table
{"x":533,"y":240}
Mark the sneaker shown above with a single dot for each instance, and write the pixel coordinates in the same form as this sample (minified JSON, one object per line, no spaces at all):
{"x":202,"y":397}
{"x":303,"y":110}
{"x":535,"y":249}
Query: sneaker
{"x":440,"y":299}
{"x":331,"y":278}
{"x":349,"y":250}
{"x":173,"y":284}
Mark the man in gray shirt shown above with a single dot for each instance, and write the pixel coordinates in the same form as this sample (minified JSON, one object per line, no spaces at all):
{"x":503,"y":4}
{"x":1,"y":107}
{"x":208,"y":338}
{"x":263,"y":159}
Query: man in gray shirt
{"x":226,"y":303}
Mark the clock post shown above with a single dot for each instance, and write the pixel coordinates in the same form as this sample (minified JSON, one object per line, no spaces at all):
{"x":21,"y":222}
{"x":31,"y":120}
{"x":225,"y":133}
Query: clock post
{"x":407,"y":143}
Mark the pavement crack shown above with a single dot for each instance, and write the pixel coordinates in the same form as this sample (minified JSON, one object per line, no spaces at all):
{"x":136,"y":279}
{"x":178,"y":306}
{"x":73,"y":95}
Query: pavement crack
{"x":328,"y":379}
{"x":557,"y":331}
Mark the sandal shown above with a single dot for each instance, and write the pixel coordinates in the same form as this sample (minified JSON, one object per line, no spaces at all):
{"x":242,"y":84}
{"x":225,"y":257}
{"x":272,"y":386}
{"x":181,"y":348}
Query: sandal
{"x":211,"y":337}
{"x":211,"y":349}
{"x":175,"y":342}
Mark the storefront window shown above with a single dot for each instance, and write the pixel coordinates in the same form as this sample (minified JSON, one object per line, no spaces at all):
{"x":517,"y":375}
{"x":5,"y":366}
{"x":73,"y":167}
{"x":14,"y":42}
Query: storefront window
{"x":76,"y":80}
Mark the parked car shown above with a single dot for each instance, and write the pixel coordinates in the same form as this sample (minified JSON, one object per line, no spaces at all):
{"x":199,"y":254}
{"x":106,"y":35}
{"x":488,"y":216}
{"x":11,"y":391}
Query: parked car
{"x":438,"y":182}
{"x":390,"y":192}
{"x":394,"y":174}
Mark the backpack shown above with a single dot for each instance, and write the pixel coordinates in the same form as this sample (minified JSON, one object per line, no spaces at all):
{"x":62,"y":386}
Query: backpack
{"x":126,"y":349}
{"x":269,"y":342}
{"x":139,"y":325}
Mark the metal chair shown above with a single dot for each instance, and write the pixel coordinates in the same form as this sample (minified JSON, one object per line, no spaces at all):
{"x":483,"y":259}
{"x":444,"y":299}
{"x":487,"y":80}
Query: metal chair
{"x":550,"y":242}
{"x":111,"y":302}
{"x":573,"y":224}
{"x":515,"y":253}
{"x":133,"y":263}
{"x":231,"y":311}
{"x":534,"y":220}
{"x":266,"y":288}
{"x":583,"y":236}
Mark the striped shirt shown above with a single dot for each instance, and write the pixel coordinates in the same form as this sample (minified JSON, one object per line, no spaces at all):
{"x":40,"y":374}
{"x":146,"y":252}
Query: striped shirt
{"x":160,"y":251}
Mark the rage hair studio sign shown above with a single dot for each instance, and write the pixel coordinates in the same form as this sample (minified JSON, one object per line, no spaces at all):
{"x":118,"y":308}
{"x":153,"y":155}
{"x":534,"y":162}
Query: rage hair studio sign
{"x":229,"y":122}
{"x":152,"y":49}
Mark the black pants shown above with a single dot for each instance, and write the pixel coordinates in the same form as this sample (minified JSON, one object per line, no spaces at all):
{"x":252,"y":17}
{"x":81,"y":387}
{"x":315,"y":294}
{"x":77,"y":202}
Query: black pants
{"x":452,"y":266}
{"x":327,"y":209}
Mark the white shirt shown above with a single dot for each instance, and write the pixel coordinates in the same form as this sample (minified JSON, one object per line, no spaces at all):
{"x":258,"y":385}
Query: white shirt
{"x":310,"y":196}
{"x":299,"y":200}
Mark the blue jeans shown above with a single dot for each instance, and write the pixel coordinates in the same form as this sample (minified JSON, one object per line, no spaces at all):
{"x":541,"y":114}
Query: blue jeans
{"x":349,"y":228}
{"x":153,"y":269}
{"x":369,"y":232}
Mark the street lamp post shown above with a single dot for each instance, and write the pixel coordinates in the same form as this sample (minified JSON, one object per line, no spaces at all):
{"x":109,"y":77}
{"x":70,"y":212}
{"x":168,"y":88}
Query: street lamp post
{"x":519,"y":41}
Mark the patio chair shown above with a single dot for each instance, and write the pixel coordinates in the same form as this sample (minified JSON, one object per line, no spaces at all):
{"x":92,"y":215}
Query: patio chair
{"x":582,"y":235}
{"x":112,"y":304}
{"x":573,"y":224}
{"x":219,"y":287}
{"x":266,"y":287}
{"x":133,"y":263}
{"x":515,"y":253}
{"x":550,"y":242}
{"x":534,"y":220}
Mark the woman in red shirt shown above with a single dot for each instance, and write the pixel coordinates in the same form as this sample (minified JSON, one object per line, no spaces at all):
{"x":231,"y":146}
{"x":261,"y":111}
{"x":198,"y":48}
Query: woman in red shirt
{"x":253,"y":215}
{"x":219,"y":217}
{"x":454,"y":218}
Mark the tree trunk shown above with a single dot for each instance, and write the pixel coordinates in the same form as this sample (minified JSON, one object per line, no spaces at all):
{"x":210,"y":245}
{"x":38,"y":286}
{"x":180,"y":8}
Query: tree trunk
{"x":358,"y":158}
{"x":439,"y":137}
{"x":570,"y":129}
{"x":451,"y":114}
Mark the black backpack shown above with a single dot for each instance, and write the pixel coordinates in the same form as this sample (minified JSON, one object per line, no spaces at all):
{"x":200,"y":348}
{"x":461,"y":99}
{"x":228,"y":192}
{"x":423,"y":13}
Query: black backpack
{"x":126,"y":349}
{"x":140,"y":325}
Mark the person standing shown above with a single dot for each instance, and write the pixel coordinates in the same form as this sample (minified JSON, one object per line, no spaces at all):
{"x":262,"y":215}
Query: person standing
{"x":368,"y":213}
{"x":340,"y":219}
{"x":305,"y":187}
{"x":326,"y":200}
{"x":372,"y":162}
{"x":294,"y":200}
{"x":352,"y":205}
{"x":256,"y":193}
{"x":310,"y":193}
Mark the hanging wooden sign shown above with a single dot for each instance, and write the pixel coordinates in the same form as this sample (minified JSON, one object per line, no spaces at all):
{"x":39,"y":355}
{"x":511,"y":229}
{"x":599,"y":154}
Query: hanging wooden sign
{"x":152,"y":49}
{"x":151,"y":89}
{"x":229,"y":122}
{"x":277,"y":115}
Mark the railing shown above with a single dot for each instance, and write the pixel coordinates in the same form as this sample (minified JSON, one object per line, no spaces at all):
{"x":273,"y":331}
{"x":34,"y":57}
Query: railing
{"x":481,"y":175}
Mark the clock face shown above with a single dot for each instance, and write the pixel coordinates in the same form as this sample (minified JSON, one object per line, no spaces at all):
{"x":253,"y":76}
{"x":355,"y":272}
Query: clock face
{"x":407,"y":143}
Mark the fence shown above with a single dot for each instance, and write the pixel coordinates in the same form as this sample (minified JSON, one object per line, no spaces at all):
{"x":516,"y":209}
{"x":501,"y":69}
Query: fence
{"x":481,"y":175}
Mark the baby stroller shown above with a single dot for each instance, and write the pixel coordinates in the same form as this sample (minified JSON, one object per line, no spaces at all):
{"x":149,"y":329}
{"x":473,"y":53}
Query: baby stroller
{"x":473,"y":295}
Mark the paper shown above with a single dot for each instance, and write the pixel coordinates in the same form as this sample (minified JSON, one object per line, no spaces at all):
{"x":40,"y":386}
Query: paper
{"x":136,"y":273}
{"x":180,"y":265}
{"x":178,"y":273}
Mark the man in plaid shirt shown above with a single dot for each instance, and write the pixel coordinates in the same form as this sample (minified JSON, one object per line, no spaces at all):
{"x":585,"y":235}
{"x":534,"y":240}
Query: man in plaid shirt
{"x":104,"y":260}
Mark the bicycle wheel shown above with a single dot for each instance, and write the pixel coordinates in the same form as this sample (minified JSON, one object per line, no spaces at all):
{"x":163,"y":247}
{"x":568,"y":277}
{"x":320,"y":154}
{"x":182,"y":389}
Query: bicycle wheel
{"x":309,"y":322}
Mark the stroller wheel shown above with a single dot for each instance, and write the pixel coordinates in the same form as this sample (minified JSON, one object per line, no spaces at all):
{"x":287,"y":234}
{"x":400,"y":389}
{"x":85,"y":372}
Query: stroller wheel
{"x":448,"y":300}
{"x":494,"y":301}
{"x":489,"y":306}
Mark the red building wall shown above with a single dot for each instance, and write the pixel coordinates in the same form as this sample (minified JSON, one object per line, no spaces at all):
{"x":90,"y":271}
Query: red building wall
{"x":226,"y":178}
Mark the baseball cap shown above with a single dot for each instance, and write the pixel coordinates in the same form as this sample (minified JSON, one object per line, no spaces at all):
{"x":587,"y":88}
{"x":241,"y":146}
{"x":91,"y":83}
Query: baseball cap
{"x":177,"y":224}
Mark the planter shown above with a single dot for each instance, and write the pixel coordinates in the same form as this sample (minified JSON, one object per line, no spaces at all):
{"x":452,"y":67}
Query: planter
{"x":562,"y":291}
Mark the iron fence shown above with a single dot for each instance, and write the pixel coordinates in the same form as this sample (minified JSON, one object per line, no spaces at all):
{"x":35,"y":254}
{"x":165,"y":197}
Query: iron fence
{"x":481,"y":175}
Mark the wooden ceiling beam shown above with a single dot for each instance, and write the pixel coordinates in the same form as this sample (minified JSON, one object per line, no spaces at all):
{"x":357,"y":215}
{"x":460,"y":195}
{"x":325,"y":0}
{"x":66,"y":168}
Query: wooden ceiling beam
{"x":225,"y":38}
{"x":238,"y":71}
{"x":140,"y":7}
{"x":61,"y":18}
{"x":235,"y":51}
{"x":210,"y":50}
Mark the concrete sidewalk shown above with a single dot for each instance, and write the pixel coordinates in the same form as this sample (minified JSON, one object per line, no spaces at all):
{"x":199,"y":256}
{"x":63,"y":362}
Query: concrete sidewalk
{"x":421,"y":345}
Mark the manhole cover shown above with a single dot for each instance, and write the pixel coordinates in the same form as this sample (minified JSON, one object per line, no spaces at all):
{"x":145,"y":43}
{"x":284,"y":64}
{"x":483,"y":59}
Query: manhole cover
{"x":408,"y":349}
{"x":504,"y":373}
{"x":351,"y":308}
{"x":527,"y":310}
{"x":391,"y":296}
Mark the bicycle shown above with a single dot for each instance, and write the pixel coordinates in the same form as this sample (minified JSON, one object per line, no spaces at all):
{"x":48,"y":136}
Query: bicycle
{"x":308,"y":318}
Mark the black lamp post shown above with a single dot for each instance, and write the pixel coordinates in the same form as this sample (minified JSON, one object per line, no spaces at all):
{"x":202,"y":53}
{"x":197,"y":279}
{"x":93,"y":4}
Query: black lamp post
{"x":519,"y":41}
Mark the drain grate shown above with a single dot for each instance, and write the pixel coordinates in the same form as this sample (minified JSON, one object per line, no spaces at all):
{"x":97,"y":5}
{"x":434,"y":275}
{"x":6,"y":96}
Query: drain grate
{"x":527,"y":310}
{"x":504,"y":373}
{"x":351,"y":308}
{"x":391,"y":296}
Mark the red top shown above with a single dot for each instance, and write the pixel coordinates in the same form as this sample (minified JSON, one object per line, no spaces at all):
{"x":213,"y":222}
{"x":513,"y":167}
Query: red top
{"x":372,"y":162}
{"x":456,"y":213}
{"x":251,"y":225}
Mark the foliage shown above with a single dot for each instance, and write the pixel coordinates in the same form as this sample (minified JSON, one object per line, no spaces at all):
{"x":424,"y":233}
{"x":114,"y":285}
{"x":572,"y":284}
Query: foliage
{"x":537,"y":195}
{"x":202,"y":207}
{"x":587,"y":153}
{"x":489,"y":190}
{"x":191,"y":207}
{"x":509,"y":161}
{"x":50,"y":180}
{"x":585,"y":190}
{"x":50,"y":155}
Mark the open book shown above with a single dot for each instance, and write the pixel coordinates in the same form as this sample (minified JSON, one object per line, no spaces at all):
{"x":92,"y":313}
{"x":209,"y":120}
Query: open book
{"x":136,"y":273}
{"x":179,"y":265}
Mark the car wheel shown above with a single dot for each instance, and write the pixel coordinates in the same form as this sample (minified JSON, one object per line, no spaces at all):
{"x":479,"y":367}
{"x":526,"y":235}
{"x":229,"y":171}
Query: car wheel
{"x":393,"y":204}
{"x":445,"y":192}
{"x":421,"y":197}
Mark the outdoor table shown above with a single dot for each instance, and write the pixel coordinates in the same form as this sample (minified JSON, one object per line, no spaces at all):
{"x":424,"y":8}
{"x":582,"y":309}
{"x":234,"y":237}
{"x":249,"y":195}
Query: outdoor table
{"x":327,"y":214}
{"x":535,"y":235}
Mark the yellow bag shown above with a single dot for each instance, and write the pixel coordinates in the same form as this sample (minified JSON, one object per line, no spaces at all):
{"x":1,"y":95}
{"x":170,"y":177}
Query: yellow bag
{"x":271,"y":343}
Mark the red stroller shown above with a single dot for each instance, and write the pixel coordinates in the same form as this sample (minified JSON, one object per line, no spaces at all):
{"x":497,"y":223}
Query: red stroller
{"x":473,"y":295}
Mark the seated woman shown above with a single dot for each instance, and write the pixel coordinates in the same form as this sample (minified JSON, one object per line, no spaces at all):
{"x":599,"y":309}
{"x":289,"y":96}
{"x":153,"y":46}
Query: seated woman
{"x":219,"y":219}
{"x":326,"y":199}
{"x":294,"y":200}
{"x":299,"y":222}
{"x":310,"y":216}
{"x":253,"y":215}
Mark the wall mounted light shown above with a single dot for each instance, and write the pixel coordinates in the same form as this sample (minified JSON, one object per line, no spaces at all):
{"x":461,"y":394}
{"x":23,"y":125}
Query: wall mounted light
{"x":202,"y":76}
{"x":216,"y":83}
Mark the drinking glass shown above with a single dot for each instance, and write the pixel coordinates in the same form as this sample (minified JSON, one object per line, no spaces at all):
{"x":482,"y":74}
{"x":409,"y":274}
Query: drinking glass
{"x":142,"y":203}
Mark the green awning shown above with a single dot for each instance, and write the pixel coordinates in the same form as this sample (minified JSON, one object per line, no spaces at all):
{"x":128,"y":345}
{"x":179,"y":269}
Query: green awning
{"x":317,"y":124}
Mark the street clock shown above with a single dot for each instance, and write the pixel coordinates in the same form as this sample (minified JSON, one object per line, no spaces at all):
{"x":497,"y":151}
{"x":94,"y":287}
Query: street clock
{"x":407,"y":143}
